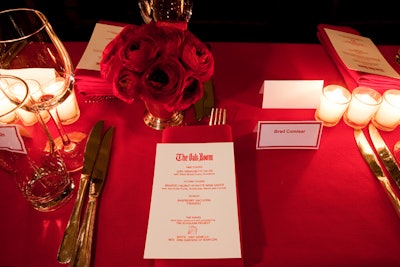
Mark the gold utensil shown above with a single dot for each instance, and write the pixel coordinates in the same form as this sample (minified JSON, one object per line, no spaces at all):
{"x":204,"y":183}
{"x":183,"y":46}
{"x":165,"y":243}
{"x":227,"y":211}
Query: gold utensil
{"x":217,"y":116}
{"x":385,"y":155}
{"x":83,"y":248}
{"x":374,"y":165}
{"x":71,"y":232}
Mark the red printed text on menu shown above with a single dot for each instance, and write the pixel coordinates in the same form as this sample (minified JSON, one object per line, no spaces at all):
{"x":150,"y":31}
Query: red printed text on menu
{"x":193,"y":213}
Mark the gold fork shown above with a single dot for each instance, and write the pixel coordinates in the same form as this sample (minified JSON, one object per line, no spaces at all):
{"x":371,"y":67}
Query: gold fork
{"x":217,"y":116}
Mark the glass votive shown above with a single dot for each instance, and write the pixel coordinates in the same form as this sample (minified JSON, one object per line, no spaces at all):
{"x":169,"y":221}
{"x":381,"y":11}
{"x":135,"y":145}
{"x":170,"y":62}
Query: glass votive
{"x":387,"y":117}
{"x":68,"y":108}
{"x":334,"y":101}
{"x":363,"y":105}
{"x":7,"y":108}
{"x":69,"y":111}
{"x":36,"y":93}
{"x":18,"y":90}
{"x":28,"y":118}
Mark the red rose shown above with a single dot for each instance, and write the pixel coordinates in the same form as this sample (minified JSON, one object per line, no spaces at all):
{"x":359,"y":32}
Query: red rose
{"x":169,"y":38}
{"x":126,"y":85}
{"x":163,"y":82}
{"x":158,"y":62}
{"x":110,"y":62}
{"x":139,"y":51}
{"x":193,"y":90}
{"x":197,"y":57}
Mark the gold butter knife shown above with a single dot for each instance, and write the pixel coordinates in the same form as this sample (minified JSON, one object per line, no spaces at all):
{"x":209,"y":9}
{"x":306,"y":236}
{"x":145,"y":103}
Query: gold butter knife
{"x":83,"y":248}
{"x":68,"y":242}
{"x":373,"y":163}
{"x":385,"y":155}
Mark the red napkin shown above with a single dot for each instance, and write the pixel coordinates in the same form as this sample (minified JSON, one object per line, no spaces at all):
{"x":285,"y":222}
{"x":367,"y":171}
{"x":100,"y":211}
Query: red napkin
{"x":198,"y":134}
{"x":90,"y":83}
{"x":356,"y":78}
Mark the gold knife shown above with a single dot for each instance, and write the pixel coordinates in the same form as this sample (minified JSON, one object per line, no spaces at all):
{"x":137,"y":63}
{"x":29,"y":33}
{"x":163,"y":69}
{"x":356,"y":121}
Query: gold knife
{"x":67,"y":245}
{"x":373,"y":163}
{"x":83,"y":248}
{"x":384,"y":153}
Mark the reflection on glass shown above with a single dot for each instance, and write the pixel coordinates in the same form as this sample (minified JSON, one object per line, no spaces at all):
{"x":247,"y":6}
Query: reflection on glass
{"x":166,"y":10}
{"x":31,"y":50}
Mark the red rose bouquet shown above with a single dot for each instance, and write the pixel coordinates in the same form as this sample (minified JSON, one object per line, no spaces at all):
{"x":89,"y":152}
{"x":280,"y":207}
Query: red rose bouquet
{"x":159,"y":63}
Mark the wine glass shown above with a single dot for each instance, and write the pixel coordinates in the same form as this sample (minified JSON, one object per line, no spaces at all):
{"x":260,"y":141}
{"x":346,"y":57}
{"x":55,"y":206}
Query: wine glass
{"x":40,"y":175}
{"x":31,"y":50}
{"x":166,"y":10}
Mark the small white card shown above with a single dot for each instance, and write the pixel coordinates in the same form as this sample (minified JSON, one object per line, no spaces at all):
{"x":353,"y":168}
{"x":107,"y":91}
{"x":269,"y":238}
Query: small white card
{"x":101,"y":36}
{"x":11,"y":140}
{"x":301,"y":94}
{"x":289,"y":134}
{"x":360,"y":53}
{"x":193,"y":212}
{"x":41,"y":75}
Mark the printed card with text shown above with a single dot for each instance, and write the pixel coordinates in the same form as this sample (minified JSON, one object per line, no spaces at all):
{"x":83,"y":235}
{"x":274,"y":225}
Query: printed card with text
{"x":193,"y":212}
{"x":289,"y":134}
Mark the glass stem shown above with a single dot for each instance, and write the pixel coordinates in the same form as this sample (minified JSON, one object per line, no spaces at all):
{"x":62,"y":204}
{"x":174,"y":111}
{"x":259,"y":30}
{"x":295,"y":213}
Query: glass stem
{"x":51,"y":148}
{"x":67,"y":144}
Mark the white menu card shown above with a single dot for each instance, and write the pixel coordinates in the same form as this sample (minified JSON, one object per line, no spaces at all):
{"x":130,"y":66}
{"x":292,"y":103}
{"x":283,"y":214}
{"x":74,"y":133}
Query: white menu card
{"x":360,"y":53}
{"x":101,"y":36}
{"x":193,"y":212}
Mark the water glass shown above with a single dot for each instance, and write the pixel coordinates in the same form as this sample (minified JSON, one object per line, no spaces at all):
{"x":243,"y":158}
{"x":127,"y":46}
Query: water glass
{"x":28,"y":154}
{"x":363,"y":105}
{"x":166,"y":10}
{"x":31,"y":50}
{"x":334,"y":101}
{"x":387,"y":117}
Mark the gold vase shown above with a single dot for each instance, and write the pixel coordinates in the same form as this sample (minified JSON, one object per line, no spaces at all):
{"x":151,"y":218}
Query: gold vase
{"x":156,"y":117}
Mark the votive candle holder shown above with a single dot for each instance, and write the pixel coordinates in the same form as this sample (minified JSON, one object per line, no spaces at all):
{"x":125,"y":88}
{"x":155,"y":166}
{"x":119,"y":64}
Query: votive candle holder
{"x":387,"y":117}
{"x":363,"y":105}
{"x":334,"y":101}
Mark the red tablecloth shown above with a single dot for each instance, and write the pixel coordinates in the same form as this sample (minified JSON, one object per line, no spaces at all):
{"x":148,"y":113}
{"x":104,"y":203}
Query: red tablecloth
{"x":298,"y":207}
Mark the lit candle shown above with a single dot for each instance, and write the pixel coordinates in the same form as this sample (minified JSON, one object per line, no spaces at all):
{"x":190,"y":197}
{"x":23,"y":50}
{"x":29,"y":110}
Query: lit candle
{"x":36,"y":92}
{"x":68,"y":110}
{"x":19,"y":90}
{"x":387,"y":117}
{"x":334,"y":101}
{"x":7,"y":112}
{"x":365,"y":101}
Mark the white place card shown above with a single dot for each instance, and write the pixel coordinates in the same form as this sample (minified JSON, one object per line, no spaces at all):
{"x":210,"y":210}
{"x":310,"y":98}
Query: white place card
{"x":360,"y":53}
{"x":289,"y":134}
{"x":41,"y":75}
{"x":293,"y":94}
{"x":193,"y":212}
{"x":11,"y":140}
